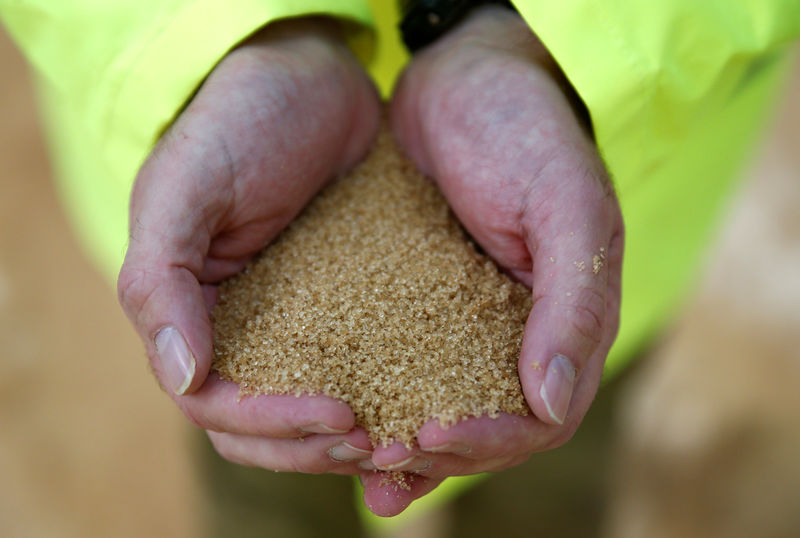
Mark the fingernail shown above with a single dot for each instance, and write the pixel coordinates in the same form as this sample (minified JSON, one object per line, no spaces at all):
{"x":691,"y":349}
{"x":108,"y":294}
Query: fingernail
{"x":451,"y":448}
{"x":346,"y":452}
{"x":413,"y":464}
{"x":320,"y":428}
{"x":176,"y":359}
{"x":557,"y":388}
{"x":367,"y":465}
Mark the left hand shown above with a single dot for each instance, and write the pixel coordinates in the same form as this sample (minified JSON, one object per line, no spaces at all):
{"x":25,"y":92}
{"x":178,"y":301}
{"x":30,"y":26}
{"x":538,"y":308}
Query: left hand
{"x":485,"y":113}
{"x":281,"y":115}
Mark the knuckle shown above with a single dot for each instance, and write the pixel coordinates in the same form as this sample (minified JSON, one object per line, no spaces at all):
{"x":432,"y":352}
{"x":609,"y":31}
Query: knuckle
{"x":501,"y":464}
{"x":135,"y":288}
{"x":298,"y":463}
{"x":493,"y":449}
{"x":587,"y":317}
{"x":197,"y":418}
{"x":225,"y":449}
{"x":318,"y":464}
{"x":130,"y":287}
{"x":561,"y":437}
{"x":585,"y":323}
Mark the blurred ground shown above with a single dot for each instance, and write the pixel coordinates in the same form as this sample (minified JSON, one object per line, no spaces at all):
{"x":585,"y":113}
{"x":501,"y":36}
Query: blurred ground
{"x":709,"y":424}
{"x":88,"y":444}
{"x":709,"y":427}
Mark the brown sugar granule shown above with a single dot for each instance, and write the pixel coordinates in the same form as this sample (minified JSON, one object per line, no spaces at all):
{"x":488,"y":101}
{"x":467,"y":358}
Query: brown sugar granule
{"x":398,"y":479}
{"x":597,"y":264}
{"x":376,"y":296}
{"x":598,"y":260}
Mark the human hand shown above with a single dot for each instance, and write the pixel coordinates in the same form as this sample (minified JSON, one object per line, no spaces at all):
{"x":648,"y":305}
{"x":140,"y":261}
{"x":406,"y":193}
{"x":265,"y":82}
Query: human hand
{"x":484,"y":113}
{"x":280,"y":116}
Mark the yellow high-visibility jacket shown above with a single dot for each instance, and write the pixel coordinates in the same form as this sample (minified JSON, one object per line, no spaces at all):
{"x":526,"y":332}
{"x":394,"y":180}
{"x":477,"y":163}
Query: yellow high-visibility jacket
{"x":676,"y":90}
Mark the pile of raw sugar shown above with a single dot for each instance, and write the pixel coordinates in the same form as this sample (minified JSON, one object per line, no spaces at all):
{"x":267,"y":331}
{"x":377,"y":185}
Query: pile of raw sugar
{"x":376,"y":296}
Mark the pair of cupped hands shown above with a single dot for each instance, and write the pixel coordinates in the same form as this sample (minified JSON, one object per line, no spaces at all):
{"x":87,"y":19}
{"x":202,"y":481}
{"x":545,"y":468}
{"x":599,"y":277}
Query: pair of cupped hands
{"x":484,"y":112}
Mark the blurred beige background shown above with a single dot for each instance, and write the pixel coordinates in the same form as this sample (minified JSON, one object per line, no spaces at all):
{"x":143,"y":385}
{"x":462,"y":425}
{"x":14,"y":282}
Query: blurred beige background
{"x":708,"y":429}
{"x":709,"y":423}
{"x":88,"y":444}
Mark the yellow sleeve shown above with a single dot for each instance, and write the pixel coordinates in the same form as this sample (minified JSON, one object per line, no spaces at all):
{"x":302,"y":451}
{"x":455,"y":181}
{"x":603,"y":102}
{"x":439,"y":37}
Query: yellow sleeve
{"x":677,"y":91}
{"x":112,"y":75}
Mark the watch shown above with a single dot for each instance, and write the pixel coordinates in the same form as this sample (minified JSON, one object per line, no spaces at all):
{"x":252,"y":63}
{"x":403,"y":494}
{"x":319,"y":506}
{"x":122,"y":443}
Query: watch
{"x":423,"y":21}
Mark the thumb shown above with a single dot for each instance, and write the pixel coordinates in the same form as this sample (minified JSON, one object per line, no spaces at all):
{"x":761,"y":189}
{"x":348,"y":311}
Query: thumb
{"x":577,"y":257}
{"x":158,"y":283}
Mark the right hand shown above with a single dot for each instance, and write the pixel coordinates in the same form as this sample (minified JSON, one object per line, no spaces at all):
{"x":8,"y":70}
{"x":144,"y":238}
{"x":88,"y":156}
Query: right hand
{"x":279,"y":117}
{"x":485,"y":112}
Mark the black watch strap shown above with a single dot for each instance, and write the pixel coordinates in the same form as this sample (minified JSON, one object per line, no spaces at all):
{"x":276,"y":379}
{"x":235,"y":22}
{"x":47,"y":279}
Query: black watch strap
{"x":423,"y":21}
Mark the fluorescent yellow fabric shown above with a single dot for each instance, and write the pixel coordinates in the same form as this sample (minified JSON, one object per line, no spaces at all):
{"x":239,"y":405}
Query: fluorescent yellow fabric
{"x":676,"y":90}
{"x":113,"y":74}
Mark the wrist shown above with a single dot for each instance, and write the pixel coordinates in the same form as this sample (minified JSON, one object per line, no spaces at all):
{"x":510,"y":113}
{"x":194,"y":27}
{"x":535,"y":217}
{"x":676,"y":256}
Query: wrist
{"x":500,"y":30}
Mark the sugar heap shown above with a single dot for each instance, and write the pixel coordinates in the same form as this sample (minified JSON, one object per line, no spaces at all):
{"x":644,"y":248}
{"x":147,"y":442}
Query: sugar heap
{"x":376,"y":296}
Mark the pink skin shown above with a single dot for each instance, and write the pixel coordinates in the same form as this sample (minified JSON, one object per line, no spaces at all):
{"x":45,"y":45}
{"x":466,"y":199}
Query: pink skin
{"x":228,"y":176}
{"x":483,"y":112}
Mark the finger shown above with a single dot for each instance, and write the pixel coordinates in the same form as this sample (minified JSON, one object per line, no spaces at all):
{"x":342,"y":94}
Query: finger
{"x":217,"y":406}
{"x":384,"y":497}
{"x":445,"y":466}
{"x":399,"y":458}
{"x":158,"y":286}
{"x":210,"y":296}
{"x":484,"y":438}
{"x":577,"y":259}
{"x":589,"y":380}
{"x":315,"y":454}
{"x":216,"y":269}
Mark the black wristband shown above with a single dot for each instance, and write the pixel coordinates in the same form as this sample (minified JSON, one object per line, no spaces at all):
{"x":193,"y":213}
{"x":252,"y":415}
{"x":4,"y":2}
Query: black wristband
{"x":424,"y":21}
